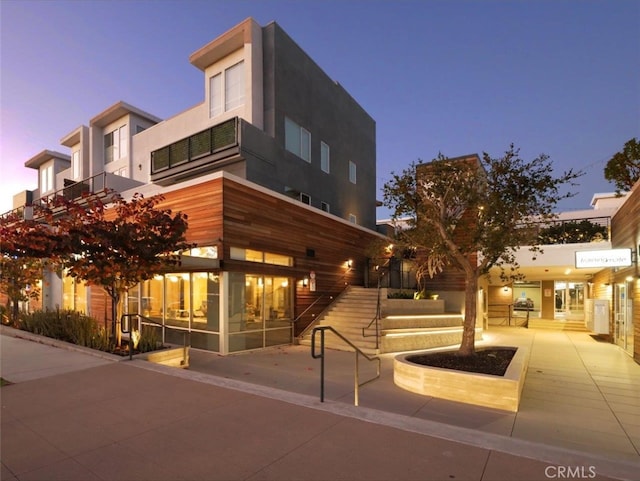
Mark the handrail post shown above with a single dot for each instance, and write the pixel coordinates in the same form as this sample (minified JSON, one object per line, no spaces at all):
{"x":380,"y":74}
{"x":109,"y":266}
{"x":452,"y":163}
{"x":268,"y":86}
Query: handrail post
{"x":321,"y":356}
{"x":357,"y":382}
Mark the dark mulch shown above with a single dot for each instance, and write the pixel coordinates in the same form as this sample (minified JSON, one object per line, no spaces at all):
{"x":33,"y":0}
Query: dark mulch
{"x":494,"y":361}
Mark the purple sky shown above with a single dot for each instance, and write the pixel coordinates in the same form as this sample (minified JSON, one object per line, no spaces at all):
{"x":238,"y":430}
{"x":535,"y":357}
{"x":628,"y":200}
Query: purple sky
{"x":457,"y":77}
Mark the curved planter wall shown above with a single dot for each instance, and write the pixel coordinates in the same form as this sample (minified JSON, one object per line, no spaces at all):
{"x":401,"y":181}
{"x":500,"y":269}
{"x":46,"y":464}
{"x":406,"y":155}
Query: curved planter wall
{"x":499,"y":392}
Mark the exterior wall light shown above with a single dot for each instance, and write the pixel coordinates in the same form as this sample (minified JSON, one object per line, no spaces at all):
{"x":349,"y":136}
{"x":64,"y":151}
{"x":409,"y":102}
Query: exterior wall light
{"x":305,"y":282}
{"x":349,"y":264}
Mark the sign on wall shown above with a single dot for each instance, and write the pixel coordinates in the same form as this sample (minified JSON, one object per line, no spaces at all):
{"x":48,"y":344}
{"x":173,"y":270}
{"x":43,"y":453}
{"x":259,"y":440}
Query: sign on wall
{"x":603,"y":258}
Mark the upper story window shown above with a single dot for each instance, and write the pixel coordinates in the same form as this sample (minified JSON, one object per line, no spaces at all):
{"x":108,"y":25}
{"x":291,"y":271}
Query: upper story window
{"x":353,"y":219}
{"x":46,"y":179}
{"x":75,"y":164}
{"x":305,"y":198}
{"x":324,"y":206}
{"x":297,"y":139}
{"x":116,"y":144}
{"x":352,"y":172}
{"x":226,"y":90}
{"x":325,"y":157}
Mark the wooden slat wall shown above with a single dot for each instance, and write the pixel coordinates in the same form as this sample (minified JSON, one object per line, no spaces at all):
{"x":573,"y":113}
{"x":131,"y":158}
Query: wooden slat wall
{"x":229,"y":214}
{"x":625,"y":232}
{"x":256,"y":220}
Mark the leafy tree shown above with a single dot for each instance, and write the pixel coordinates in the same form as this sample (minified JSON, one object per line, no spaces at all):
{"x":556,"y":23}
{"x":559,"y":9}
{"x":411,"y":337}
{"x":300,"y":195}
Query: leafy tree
{"x":19,"y":281}
{"x":115,"y":245}
{"x":623,"y":169}
{"x":24,"y":245}
{"x":120,"y":244}
{"x":570,"y":232}
{"x":472,"y":214}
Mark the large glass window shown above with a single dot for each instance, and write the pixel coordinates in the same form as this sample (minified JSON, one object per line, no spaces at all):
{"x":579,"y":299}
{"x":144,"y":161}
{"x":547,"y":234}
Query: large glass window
{"x":297,"y":140}
{"x":325,"y":157}
{"x":206,"y":301}
{"x":215,"y":93}
{"x":352,"y":172}
{"x":260,"y":310}
{"x":75,"y":164}
{"x":234,"y":86}
{"x":177,"y":299}
{"x":74,"y":294}
{"x":226,"y":91}
{"x":116,"y":144}
{"x":46,"y":179}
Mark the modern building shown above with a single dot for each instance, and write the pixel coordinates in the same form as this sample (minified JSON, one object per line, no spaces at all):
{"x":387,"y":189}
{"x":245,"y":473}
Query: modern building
{"x":276,"y":170}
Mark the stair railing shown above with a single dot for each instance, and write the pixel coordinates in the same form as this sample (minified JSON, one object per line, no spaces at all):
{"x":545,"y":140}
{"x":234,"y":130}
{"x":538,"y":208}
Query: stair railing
{"x":377,"y":317}
{"x":318,"y":299}
{"x":358,"y":352}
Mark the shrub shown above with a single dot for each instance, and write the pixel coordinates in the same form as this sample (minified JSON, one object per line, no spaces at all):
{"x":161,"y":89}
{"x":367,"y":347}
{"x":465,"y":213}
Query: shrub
{"x":401,"y":295}
{"x":68,"y":326}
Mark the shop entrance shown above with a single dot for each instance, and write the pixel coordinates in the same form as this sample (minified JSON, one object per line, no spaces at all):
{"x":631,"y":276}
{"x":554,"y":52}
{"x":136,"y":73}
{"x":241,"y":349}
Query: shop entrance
{"x":569,"y":299}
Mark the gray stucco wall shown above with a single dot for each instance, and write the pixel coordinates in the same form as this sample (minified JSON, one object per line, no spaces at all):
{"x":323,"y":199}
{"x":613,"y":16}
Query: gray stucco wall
{"x":296,"y":87}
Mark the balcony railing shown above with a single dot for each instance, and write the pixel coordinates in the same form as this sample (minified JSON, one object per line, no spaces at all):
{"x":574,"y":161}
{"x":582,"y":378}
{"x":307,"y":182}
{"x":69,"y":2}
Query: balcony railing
{"x":196,"y":146}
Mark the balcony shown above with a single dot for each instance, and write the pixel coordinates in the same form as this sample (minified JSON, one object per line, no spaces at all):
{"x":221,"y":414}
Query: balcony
{"x":197,"y":154}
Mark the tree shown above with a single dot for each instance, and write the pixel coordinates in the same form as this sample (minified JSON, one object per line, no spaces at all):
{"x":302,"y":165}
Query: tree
{"x":623,"y":169}
{"x":25,"y":243}
{"x":472,"y":214}
{"x":115,"y":245}
{"x":569,"y":232}
{"x":120,"y":244}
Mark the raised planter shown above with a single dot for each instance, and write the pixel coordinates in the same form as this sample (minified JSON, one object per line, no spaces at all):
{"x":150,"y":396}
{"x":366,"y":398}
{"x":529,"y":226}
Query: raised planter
{"x":498,"y":392}
{"x":174,"y":357}
{"x":411,"y":307}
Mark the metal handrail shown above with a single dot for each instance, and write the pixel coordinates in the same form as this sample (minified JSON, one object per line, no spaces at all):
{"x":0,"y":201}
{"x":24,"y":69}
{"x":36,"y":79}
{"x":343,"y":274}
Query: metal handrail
{"x":357,"y":350}
{"x":151,"y":321}
{"x":321,"y":296}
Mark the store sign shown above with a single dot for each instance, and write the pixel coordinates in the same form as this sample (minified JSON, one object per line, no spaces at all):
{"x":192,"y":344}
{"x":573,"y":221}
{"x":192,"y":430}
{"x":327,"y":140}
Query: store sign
{"x":604,"y":258}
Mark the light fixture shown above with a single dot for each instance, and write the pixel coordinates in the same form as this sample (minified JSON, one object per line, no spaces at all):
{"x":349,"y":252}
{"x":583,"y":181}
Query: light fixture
{"x":349,"y":264}
{"x":305,"y":281}
{"x":629,"y":279}
{"x":505,"y":288}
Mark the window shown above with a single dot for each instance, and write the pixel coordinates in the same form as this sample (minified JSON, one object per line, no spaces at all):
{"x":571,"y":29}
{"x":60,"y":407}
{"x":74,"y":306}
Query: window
{"x":305,"y":198}
{"x":46,"y":179}
{"x":115,"y":144}
{"x":324,"y":157}
{"x":352,"y":219}
{"x":231,"y":94}
{"x":121,"y":172}
{"x":234,"y":86}
{"x":250,"y":255}
{"x":324,"y":206}
{"x":297,"y":140}
{"x":352,"y":172}
{"x":215,"y":91}
{"x":75,"y":164}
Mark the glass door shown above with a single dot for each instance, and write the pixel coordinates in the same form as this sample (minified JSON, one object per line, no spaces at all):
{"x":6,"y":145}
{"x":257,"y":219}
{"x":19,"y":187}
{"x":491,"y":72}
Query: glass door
{"x":622,"y":311}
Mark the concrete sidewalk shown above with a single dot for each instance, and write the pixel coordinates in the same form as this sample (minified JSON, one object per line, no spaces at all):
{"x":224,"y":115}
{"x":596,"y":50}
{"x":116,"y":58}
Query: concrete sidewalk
{"x":258,"y":416}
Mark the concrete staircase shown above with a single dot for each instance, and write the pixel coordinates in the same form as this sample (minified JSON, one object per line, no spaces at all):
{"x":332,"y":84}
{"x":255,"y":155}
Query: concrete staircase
{"x":348,"y":315}
{"x":356,"y":308}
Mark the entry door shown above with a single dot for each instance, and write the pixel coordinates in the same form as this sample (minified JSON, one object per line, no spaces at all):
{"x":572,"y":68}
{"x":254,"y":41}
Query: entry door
{"x":622,"y":315}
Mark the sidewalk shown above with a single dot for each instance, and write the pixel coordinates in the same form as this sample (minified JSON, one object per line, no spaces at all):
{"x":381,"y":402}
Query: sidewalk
{"x":258,"y":416}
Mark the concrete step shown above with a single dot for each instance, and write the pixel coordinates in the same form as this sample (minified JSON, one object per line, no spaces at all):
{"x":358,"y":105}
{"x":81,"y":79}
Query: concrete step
{"x":558,"y":325}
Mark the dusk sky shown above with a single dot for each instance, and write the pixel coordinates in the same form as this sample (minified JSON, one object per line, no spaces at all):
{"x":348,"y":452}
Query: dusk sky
{"x":456,"y":77}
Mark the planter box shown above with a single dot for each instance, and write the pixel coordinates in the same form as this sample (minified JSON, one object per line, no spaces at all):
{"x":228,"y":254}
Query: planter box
{"x":411,"y":307}
{"x":498,"y":392}
{"x":174,"y":357}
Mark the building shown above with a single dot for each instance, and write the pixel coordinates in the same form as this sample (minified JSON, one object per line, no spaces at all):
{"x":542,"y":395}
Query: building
{"x":276,"y":170}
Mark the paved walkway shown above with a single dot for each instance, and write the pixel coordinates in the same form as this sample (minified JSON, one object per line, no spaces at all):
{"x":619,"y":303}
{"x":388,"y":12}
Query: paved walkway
{"x":72,"y":415}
